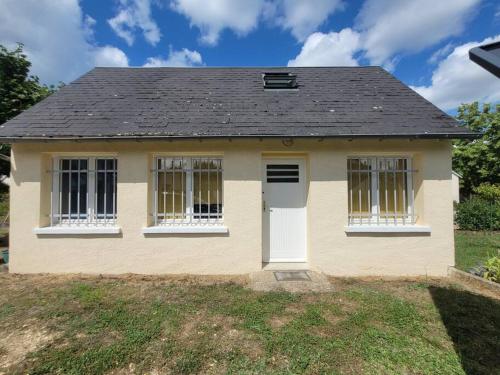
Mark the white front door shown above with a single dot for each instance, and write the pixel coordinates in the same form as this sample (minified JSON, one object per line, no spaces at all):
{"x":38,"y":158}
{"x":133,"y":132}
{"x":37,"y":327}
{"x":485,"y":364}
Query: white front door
{"x":284,"y":210}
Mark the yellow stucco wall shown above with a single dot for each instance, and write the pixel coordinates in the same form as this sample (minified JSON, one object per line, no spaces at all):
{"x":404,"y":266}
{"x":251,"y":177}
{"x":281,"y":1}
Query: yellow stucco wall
{"x":330,"y":249}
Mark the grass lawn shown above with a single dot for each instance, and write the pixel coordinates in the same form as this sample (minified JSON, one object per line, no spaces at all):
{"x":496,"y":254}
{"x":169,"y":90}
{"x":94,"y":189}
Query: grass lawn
{"x":472,"y":248}
{"x":93,"y":326}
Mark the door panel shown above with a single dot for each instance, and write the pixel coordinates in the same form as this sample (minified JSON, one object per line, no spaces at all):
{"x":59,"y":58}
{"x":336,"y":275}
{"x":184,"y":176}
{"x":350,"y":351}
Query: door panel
{"x":284,"y":210}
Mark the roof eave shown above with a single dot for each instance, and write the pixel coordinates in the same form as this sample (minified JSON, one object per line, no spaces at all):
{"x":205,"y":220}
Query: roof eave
{"x":17,"y":139}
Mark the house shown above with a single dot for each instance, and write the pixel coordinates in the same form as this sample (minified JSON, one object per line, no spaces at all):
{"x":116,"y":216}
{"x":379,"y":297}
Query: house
{"x":223,"y":170}
{"x":455,"y":186}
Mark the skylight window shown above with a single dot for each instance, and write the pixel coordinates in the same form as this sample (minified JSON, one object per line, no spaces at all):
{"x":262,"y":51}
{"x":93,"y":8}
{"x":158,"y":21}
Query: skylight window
{"x":280,"y":81}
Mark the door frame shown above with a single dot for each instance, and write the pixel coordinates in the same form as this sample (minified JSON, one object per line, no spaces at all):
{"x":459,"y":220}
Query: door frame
{"x":302,"y":161}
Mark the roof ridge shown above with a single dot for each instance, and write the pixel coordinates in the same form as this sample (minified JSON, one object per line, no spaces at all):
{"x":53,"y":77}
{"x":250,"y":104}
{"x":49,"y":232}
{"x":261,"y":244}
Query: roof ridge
{"x":235,"y":67}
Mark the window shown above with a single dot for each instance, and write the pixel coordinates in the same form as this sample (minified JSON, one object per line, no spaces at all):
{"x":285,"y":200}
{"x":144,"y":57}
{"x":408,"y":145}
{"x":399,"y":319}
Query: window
{"x":380,"y":191}
{"x":188,"y":190}
{"x":84,"y":191}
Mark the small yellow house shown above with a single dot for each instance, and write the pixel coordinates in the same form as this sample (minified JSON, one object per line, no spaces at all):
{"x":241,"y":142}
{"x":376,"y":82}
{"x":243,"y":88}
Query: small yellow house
{"x":224,"y":170}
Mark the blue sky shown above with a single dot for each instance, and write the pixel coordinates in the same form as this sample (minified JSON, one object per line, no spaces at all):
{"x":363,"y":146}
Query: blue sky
{"x":424,"y":43}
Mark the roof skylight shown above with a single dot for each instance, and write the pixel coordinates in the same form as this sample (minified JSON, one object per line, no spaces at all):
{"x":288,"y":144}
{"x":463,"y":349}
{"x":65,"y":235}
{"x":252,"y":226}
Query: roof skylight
{"x":279,"y":80}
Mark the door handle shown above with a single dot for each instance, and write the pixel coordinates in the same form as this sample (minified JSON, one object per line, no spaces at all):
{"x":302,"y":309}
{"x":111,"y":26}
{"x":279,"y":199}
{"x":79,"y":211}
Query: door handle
{"x":263,"y":205}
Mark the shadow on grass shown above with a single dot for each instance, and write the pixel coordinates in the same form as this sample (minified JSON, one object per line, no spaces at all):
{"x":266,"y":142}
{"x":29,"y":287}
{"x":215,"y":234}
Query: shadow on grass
{"x":473,"y":323}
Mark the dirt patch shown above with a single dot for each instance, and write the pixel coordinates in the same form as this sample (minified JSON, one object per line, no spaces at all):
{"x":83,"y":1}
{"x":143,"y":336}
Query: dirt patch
{"x":192,"y":326}
{"x":332,"y":318}
{"x":223,"y":333}
{"x":185,"y":279}
{"x":132,"y":369}
{"x":17,"y":281}
{"x":17,"y":344}
{"x":242,"y":341}
{"x":276,"y":322}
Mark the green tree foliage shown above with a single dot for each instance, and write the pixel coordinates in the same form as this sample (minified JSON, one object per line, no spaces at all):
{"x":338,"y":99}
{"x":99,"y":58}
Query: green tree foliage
{"x":488,"y":192}
{"x":478,"y":160}
{"x":18,"y":91}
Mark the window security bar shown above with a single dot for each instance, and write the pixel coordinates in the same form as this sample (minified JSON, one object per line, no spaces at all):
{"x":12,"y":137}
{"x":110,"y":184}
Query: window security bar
{"x":188,"y":191}
{"x":385,"y":170}
{"x":186,"y":170}
{"x":380,"y":191}
{"x":83,"y":192}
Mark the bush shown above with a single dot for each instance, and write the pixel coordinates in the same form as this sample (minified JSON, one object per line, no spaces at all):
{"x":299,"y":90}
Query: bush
{"x":488,"y":192}
{"x":492,"y":269}
{"x":478,"y":214}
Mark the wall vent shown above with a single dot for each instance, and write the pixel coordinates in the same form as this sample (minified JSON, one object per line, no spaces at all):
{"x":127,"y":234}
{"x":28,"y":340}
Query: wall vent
{"x":279,"y":81}
{"x":278,"y":173}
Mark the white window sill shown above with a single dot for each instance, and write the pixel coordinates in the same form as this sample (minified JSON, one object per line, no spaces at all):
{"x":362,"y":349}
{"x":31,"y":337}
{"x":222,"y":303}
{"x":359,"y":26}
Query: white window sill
{"x":185,"y":229}
{"x":387,"y":229}
{"x":77,"y":230}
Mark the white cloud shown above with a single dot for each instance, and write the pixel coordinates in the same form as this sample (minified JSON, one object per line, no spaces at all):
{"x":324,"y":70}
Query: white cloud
{"x":440,"y":53}
{"x":389,"y":27}
{"x":133,"y":15}
{"x":458,"y":80}
{"x":332,"y":49}
{"x":110,"y":56}
{"x":385,"y":30}
{"x":301,"y":17}
{"x":182,"y":58}
{"x":211,"y":17}
{"x":56,"y":35}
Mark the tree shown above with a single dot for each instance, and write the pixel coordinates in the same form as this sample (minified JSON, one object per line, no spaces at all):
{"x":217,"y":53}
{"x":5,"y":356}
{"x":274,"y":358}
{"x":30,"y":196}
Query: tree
{"x":477,"y":160}
{"x":18,"y":91}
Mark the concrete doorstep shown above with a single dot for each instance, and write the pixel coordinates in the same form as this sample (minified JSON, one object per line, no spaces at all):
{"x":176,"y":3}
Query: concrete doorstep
{"x":296,"y":281}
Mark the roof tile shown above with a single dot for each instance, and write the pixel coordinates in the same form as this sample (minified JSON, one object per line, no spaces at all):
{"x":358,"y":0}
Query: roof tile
{"x":194,"y":102}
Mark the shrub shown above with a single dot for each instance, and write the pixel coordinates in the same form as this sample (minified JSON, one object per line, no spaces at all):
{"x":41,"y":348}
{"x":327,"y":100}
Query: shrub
{"x":488,"y":192}
{"x":492,"y":269}
{"x":478,"y":214}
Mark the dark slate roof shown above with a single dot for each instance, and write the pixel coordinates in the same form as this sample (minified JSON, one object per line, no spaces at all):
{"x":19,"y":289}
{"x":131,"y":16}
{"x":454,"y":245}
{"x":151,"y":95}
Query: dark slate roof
{"x":231,"y":102}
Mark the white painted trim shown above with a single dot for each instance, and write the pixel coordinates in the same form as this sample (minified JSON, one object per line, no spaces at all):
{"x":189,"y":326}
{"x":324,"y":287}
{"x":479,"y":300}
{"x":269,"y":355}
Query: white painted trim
{"x":287,"y":260}
{"x":76,"y":230}
{"x":185,"y":229}
{"x":387,"y":229}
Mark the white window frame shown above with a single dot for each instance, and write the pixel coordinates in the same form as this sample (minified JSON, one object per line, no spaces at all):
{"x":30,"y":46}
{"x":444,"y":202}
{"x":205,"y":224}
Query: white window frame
{"x":91,"y":219}
{"x":190,"y":224}
{"x":374,"y":218}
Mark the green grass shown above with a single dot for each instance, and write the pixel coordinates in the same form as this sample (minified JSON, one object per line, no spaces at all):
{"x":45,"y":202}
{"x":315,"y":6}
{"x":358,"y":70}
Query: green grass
{"x":97,"y":326}
{"x":473,"y":248}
